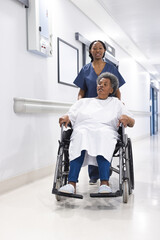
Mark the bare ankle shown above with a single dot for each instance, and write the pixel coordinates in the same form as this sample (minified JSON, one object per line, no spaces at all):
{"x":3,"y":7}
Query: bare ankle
{"x":73,"y":184}
{"x":104,"y":182}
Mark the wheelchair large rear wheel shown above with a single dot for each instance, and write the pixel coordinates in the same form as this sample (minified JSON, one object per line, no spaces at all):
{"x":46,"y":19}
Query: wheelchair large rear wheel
{"x":131,"y":167}
{"x":62,"y":169}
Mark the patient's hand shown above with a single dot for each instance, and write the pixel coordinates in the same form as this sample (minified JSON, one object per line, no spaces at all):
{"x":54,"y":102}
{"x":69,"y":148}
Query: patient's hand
{"x":64,"y":119}
{"x":126,"y":121}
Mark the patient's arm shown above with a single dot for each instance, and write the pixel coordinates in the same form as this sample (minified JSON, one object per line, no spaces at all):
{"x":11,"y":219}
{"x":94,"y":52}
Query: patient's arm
{"x":126,"y":121}
{"x":64,"y":119}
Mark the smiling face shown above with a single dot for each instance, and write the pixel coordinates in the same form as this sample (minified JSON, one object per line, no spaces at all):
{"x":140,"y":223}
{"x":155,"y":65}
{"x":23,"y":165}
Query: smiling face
{"x":97,"y":51}
{"x":104,"y":88}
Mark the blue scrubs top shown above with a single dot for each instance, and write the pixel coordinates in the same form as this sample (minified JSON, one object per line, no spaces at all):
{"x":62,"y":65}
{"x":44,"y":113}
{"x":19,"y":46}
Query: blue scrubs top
{"x":87,"y":77}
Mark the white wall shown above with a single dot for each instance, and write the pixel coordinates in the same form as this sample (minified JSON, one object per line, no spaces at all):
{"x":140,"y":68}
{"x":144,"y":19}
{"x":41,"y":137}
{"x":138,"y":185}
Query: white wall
{"x":29,"y":142}
{"x":159,"y":111}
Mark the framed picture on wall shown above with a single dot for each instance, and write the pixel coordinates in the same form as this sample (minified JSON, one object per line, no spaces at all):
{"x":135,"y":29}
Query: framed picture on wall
{"x":68,"y":62}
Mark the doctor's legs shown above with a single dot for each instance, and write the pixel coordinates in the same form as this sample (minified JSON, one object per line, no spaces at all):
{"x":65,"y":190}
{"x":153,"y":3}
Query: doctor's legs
{"x":93,"y":174}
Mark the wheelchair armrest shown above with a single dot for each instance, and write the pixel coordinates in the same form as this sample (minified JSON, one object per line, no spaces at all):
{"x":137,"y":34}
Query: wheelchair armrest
{"x":121,"y":131}
{"x":65,"y":134}
{"x":123,"y":136}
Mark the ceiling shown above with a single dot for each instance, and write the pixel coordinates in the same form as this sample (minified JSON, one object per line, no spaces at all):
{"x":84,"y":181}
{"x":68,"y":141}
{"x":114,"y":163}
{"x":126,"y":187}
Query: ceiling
{"x":133,"y":24}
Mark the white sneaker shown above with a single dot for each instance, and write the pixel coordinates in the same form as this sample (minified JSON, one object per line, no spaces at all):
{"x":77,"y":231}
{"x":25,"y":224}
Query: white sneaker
{"x":104,"y":189}
{"x":68,"y":188}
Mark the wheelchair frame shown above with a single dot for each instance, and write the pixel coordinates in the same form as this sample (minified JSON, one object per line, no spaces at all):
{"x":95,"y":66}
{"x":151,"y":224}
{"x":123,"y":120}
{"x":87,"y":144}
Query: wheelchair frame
{"x":125,"y":168}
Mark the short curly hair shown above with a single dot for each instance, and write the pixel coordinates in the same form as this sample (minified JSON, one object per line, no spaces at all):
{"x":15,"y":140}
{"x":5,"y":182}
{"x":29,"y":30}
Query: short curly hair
{"x":113,"y":79}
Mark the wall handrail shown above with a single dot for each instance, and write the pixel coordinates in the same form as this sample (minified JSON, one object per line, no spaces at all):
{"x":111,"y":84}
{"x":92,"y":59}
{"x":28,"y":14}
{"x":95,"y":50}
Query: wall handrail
{"x":26,"y":105}
{"x":140,"y":113}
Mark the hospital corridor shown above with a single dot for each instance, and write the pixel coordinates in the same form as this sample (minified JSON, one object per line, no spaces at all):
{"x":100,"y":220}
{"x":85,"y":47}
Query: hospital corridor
{"x":80,"y":120}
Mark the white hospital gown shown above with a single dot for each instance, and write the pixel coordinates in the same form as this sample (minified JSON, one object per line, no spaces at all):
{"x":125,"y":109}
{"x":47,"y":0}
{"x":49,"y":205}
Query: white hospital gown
{"x":95,"y":128}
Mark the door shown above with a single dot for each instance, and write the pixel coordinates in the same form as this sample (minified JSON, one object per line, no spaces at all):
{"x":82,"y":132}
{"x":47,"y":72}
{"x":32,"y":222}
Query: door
{"x":154,"y":111}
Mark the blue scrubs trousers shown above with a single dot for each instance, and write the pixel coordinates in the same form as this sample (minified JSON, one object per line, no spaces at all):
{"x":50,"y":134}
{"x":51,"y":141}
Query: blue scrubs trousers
{"x":76,"y":164}
{"x":93,"y":172}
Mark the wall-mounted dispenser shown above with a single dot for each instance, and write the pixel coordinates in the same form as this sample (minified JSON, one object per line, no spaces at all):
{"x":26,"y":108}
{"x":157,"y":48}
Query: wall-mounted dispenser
{"x":39,"y":33}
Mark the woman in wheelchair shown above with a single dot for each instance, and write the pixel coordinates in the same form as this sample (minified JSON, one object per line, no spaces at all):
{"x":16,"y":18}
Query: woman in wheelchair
{"x":95,"y":123}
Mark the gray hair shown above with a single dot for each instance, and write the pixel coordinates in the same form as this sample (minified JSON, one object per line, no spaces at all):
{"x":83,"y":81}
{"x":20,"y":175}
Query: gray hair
{"x":113,"y":79}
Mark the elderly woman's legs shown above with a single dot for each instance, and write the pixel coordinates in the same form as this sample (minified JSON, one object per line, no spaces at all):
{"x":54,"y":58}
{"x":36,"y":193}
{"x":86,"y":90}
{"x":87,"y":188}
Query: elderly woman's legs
{"x":104,"y":174}
{"x":75,"y":167}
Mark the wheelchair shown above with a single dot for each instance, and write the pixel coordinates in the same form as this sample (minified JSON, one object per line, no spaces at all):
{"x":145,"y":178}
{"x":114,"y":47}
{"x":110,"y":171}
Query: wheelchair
{"x":125,"y":168}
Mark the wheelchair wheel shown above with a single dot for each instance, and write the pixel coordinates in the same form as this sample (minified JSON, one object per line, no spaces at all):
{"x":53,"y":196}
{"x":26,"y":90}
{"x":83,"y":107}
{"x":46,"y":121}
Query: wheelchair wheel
{"x":62,"y":169}
{"x":131,"y":167}
{"x":125,"y":188}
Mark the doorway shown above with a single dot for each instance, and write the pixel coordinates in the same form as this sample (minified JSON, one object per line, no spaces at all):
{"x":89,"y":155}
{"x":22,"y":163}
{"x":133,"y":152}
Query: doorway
{"x":153,"y":111}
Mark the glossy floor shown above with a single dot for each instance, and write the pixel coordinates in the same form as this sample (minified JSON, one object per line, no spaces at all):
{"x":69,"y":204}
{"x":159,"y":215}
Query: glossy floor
{"x":31,"y":212}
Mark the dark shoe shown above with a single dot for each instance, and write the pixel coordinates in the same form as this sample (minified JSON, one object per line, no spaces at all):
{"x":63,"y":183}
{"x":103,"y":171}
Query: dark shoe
{"x":92,"y":181}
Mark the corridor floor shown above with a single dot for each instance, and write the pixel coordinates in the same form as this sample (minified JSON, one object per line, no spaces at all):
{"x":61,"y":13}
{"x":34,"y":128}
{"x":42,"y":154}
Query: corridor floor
{"x":32,"y":212}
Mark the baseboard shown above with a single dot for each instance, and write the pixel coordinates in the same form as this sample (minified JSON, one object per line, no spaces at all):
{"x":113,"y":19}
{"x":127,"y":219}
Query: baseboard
{"x":21,"y":180}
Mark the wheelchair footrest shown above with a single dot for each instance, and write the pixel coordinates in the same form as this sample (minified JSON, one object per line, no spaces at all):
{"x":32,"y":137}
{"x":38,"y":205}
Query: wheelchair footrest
{"x":105,"y":195}
{"x":71,"y":195}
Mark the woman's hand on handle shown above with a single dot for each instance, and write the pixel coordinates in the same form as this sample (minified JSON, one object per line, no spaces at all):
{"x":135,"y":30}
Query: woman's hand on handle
{"x":64,"y":119}
{"x":126,"y":121}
